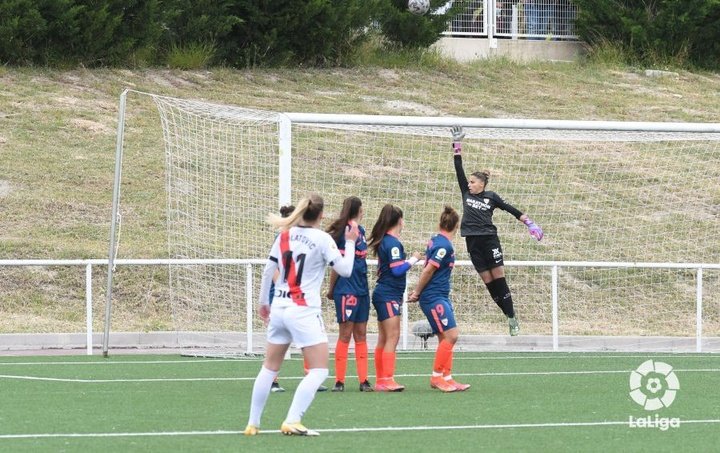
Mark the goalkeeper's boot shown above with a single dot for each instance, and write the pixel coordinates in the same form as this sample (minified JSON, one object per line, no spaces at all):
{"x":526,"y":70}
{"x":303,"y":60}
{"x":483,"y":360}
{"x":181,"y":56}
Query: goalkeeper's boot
{"x":252,"y":430}
{"x":437,"y":382}
{"x":514,"y":327}
{"x":297,"y":429}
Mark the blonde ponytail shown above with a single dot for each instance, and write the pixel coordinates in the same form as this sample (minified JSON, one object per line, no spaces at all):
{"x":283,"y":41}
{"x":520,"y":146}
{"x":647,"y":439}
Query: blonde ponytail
{"x":308,"y":208}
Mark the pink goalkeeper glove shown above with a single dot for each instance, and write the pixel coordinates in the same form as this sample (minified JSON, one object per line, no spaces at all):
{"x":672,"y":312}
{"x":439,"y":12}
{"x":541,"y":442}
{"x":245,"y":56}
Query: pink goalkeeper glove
{"x":534,"y":229}
{"x":457,"y":135}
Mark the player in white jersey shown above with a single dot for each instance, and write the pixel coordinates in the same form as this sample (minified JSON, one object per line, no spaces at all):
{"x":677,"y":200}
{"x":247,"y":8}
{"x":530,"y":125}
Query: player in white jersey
{"x":300,"y":253}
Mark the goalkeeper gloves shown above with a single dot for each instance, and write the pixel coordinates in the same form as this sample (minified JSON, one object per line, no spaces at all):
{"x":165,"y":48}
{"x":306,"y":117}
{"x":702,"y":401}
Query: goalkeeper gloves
{"x":457,"y":135}
{"x":534,"y":229}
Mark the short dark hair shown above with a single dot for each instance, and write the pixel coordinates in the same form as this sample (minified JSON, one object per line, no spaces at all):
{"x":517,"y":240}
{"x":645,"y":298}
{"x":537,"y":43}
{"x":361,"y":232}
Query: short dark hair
{"x":483,"y":176}
{"x":286,"y":210}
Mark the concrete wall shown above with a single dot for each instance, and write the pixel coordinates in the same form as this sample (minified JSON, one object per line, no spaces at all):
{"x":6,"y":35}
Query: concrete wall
{"x":521,"y":50}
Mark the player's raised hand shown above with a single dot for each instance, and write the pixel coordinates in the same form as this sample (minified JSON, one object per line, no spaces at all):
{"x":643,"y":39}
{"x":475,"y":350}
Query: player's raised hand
{"x":534,"y":229}
{"x":352,"y":231}
{"x":457,"y":136}
{"x":414,"y":258}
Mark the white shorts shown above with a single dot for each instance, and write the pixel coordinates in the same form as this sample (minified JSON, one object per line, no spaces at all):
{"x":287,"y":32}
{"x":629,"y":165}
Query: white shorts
{"x":300,"y":325}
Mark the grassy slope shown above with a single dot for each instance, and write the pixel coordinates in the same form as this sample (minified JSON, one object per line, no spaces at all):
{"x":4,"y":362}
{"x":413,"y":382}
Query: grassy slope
{"x":57,"y":140}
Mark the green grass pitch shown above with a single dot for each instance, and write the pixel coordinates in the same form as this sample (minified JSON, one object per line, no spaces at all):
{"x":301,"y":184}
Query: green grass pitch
{"x":518,"y":402}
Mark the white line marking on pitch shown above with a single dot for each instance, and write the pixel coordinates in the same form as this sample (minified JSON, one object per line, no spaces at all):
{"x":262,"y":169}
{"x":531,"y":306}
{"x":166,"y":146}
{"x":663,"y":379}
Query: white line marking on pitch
{"x":252,"y":378}
{"x":457,"y":357}
{"x":343,"y":430}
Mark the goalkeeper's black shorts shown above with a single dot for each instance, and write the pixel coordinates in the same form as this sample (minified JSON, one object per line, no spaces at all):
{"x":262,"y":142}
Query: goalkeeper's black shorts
{"x":485,"y":252}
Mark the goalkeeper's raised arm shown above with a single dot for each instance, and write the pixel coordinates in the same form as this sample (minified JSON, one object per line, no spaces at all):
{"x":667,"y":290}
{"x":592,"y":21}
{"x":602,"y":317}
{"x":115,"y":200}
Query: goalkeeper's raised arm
{"x":458,"y":134}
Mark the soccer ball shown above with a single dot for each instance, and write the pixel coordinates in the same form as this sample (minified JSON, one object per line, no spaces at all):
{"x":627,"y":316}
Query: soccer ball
{"x":418,"y":7}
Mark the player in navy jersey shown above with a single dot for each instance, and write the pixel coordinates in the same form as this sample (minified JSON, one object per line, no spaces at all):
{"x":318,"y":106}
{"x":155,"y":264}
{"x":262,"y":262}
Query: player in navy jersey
{"x":300,"y":253}
{"x":388,"y":294}
{"x":480,"y":234}
{"x":433,"y":293}
{"x":351,"y":296}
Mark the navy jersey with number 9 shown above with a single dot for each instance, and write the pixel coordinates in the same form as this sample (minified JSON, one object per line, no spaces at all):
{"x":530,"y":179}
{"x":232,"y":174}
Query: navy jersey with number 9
{"x":441,"y":254}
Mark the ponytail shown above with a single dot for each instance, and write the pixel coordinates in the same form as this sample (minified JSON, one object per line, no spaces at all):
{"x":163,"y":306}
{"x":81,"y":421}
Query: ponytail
{"x":389,"y":217}
{"x":350,"y":210}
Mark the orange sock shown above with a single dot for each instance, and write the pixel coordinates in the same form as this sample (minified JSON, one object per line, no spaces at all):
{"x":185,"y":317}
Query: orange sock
{"x":443,"y":357}
{"x":341,"y":356}
{"x":379,"y":374}
{"x":388,"y":364}
{"x":361,"y":359}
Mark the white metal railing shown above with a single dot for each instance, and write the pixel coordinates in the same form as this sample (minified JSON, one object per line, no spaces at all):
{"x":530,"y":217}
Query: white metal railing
{"x":529,"y":19}
{"x":555,"y":266}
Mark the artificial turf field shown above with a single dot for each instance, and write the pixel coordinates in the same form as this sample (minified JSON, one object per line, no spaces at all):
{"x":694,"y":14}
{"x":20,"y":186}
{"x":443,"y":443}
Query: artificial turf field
{"x":518,"y":402}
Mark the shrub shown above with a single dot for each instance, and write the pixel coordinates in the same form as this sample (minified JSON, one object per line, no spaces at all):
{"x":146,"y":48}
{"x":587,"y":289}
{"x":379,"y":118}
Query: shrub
{"x":676,"y":32}
{"x":65,"y":32}
{"x":404,"y":29}
{"x":191,"y":56}
{"x":189,"y":26}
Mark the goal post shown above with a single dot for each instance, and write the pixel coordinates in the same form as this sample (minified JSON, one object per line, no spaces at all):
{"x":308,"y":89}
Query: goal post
{"x":604,"y":192}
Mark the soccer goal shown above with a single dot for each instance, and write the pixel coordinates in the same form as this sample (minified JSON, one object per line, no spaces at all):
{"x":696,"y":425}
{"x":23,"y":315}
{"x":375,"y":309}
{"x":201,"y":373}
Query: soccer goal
{"x":631,"y":214}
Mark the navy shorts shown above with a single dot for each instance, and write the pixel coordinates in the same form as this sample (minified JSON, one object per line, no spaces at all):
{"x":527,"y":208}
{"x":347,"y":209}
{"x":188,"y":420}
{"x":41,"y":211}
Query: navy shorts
{"x":386,"y":309}
{"x":349,"y":307}
{"x":439,"y":312}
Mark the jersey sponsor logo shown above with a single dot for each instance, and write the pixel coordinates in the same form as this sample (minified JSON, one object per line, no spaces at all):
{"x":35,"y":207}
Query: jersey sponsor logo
{"x":286,"y":294}
{"x":395,"y":253}
{"x":496,"y":253}
{"x":483,"y":205}
{"x":441,"y":254}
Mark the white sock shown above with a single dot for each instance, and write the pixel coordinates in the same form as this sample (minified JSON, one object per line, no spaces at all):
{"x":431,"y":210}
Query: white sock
{"x":305,"y":394}
{"x":261,"y":390}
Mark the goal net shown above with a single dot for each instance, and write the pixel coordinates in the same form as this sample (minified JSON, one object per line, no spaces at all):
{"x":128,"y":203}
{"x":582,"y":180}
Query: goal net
{"x":601,"y":196}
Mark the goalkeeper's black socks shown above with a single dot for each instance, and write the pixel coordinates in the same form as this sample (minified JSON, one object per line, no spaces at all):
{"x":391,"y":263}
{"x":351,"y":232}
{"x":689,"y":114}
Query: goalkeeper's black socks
{"x":500,"y":293}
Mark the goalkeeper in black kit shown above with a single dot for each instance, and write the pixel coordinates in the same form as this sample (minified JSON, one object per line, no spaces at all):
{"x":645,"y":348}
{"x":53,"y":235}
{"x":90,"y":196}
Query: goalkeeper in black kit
{"x":480,"y":234}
